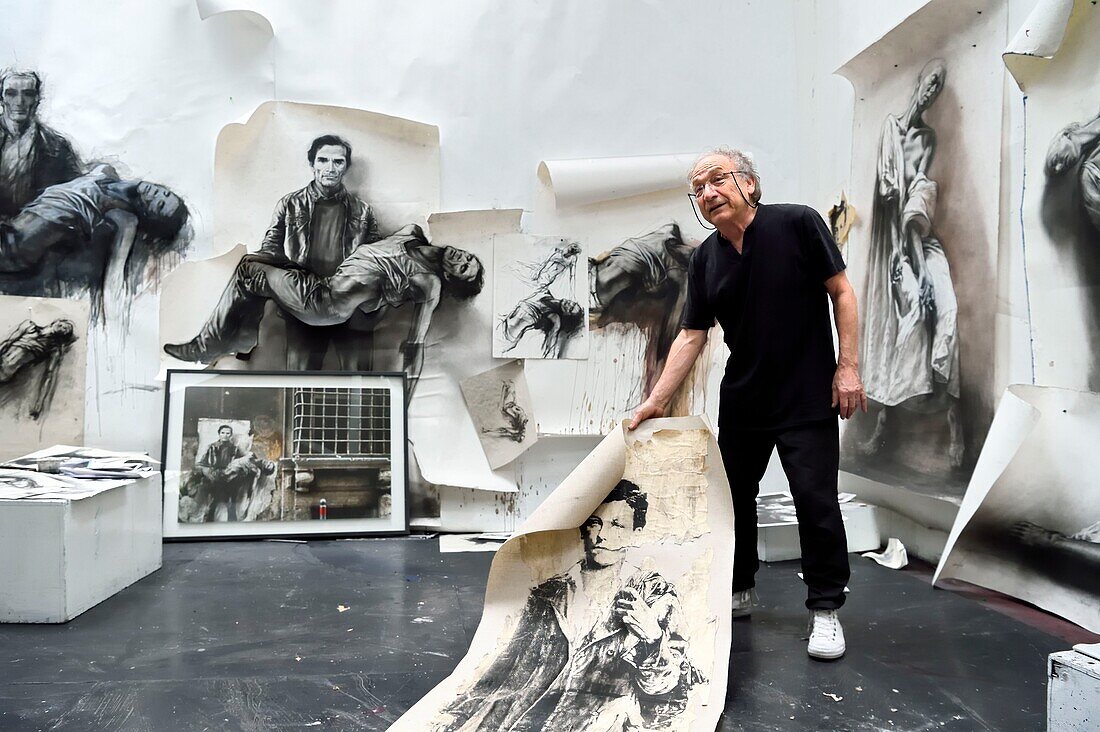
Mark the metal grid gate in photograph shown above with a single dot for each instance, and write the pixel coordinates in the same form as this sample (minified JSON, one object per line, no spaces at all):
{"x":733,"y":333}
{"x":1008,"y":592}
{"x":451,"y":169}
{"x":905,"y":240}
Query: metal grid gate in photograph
{"x":332,"y":423}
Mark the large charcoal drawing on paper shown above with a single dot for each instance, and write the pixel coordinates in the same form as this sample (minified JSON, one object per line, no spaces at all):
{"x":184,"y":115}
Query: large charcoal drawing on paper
{"x":332,"y":205}
{"x":69,"y":227}
{"x":499,"y":403}
{"x":620,"y":622}
{"x":643,"y":282}
{"x":910,"y":337}
{"x":43,"y":359}
{"x":537,"y":299}
{"x":926,"y":166}
{"x":599,"y":646}
{"x":375,"y":277}
{"x":1071,"y":218}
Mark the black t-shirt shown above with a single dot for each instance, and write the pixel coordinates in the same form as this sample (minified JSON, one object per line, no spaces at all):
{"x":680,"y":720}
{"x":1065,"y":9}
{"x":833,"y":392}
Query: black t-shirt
{"x":771,"y":301}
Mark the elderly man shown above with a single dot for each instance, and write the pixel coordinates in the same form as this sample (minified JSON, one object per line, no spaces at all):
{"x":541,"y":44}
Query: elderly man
{"x":317,"y":228}
{"x":32,"y":156}
{"x":767,"y":274}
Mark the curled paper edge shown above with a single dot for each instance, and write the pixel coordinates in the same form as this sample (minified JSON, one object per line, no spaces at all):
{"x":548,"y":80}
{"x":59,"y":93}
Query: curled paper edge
{"x":1013,"y":421}
{"x":1037,"y":40}
{"x":246,"y":8}
{"x":593,"y":180}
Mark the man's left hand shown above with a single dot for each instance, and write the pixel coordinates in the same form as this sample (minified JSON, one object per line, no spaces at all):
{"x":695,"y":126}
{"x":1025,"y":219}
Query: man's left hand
{"x":637,"y":616}
{"x":848,"y":391}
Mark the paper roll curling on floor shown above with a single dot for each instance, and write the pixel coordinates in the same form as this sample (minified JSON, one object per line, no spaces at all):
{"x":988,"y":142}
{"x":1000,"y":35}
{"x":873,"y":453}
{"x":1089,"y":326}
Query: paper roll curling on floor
{"x":611,"y":605}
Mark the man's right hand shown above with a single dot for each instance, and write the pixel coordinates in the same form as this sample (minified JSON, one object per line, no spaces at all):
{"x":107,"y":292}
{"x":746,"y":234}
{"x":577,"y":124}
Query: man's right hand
{"x":647,"y":410}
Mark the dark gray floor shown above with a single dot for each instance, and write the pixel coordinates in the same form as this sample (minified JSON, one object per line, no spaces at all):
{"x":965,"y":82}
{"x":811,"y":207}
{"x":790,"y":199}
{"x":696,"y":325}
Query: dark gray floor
{"x":249,"y":636}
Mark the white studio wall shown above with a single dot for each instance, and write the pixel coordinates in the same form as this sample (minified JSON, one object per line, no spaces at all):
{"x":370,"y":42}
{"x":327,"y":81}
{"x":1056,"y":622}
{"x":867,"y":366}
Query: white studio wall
{"x":499,"y":88}
{"x":508,"y":85}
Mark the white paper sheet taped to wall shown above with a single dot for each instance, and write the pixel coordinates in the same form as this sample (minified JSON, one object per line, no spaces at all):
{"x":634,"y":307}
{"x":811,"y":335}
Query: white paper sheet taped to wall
{"x":592,"y":180}
{"x":612,"y":601}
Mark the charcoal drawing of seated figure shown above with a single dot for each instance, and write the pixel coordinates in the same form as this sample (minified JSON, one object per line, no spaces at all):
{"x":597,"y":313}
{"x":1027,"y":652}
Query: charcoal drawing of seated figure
{"x":597,"y":647}
{"x":223,"y":478}
{"x":375,"y":277}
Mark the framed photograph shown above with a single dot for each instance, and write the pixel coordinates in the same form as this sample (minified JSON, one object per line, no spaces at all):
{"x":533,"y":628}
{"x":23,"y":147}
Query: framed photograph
{"x":276,"y":454}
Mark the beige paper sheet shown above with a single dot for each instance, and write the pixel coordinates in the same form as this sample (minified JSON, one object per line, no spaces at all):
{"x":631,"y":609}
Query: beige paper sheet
{"x":21,"y":373}
{"x":394,"y":166}
{"x":499,"y":402}
{"x":687,"y":539}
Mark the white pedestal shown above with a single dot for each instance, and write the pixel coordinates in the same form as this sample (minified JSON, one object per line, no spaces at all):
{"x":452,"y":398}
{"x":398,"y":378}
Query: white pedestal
{"x":62,"y":556}
{"x":779,"y":542}
{"x":1073,"y":692}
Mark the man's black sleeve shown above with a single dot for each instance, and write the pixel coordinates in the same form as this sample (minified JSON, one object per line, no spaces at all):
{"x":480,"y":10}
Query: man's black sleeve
{"x":697,"y":315}
{"x":818,"y":246}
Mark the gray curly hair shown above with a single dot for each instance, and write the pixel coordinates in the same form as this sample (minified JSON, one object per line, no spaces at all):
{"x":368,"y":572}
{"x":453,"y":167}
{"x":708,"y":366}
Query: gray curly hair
{"x":742,"y":163}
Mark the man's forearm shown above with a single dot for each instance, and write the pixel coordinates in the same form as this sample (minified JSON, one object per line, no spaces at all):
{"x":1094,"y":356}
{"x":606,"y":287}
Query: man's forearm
{"x":682,"y":356}
{"x":847,"y":328}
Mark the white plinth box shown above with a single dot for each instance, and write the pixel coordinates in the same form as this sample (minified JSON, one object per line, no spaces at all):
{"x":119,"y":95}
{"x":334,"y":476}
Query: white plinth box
{"x":1073,"y":692}
{"x":63,"y":556}
{"x":779,"y":543}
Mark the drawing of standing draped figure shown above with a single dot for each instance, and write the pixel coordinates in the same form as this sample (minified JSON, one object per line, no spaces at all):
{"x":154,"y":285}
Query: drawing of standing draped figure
{"x":910,"y":345}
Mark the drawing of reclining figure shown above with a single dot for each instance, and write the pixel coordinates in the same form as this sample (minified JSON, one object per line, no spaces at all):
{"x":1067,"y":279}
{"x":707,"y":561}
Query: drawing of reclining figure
{"x":31,"y":344}
{"x":401,"y":268}
{"x":558,"y":320}
{"x":598,"y":647}
{"x":1076,"y":150}
{"x":515,"y":416}
{"x":103,"y":228}
{"x":1072,"y":560}
{"x":643,"y":281}
{"x":545,"y":272}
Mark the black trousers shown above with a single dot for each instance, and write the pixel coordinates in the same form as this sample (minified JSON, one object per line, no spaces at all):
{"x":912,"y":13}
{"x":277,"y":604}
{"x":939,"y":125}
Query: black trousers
{"x":810,"y":455}
{"x":307,"y":345}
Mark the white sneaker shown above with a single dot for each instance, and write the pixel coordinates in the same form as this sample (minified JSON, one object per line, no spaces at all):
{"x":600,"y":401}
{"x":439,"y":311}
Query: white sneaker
{"x":743,"y":603}
{"x":826,"y":635}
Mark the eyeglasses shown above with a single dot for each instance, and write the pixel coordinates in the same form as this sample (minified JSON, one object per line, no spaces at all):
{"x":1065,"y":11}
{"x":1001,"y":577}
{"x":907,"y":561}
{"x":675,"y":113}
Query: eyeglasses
{"x":714,"y":182}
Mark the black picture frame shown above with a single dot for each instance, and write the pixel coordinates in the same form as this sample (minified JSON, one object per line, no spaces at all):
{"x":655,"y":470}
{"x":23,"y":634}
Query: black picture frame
{"x":297,"y":441}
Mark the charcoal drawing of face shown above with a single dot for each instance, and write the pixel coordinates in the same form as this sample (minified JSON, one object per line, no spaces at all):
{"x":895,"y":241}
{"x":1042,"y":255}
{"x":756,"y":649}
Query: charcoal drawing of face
{"x":330,"y":164}
{"x":609,"y":530}
{"x":19,"y":99}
